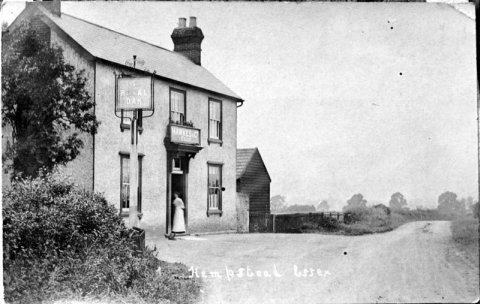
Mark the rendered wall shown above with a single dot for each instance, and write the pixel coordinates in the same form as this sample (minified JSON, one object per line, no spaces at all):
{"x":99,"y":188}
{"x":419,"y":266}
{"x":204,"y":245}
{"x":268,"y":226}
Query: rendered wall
{"x":110,"y":141}
{"x":81,"y":168}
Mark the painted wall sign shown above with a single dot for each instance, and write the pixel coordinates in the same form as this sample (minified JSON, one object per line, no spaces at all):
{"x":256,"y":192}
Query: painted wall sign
{"x":184,"y":135}
{"x":134,"y":93}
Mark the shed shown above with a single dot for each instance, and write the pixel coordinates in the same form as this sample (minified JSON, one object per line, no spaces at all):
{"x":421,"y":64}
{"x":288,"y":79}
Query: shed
{"x":253,"y":179}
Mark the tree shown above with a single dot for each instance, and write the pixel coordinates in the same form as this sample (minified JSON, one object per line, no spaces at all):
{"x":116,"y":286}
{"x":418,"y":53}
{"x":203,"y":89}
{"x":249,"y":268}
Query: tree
{"x":44,"y":102}
{"x":469,"y":203}
{"x":397,"y":201}
{"x":448,"y":204}
{"x":323,"y":206}
{"x":277,"y":203}
{"x":356,"y":201}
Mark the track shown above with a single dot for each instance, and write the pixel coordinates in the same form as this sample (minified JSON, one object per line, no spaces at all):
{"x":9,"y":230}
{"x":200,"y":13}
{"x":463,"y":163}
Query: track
{"x":415,"y":263}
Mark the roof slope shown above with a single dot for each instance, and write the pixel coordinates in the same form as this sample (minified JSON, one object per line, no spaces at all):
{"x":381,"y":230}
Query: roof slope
{"x":244,"y":156}
{"x":115,"y":47}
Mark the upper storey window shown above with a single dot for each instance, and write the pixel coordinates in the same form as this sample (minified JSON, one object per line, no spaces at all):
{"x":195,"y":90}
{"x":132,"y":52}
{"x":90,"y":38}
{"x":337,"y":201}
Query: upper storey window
{"x":215,"y":120}
{"x":177,"y":106}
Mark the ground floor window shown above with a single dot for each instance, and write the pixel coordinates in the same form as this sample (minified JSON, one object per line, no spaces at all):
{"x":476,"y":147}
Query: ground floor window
{"x":125,"y":183}
{"x":214,"y":188}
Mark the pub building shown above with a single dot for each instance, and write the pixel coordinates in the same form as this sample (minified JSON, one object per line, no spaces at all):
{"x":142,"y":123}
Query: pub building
{"x":187,"y":142}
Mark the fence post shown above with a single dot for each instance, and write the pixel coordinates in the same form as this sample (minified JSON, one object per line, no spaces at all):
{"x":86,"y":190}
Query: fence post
{"x":274,"y":222}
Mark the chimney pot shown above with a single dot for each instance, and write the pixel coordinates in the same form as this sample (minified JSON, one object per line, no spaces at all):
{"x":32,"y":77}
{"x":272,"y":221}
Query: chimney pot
{"x":193,"y":22}
{"x":182,"y":22}
{"x":187,"y":40}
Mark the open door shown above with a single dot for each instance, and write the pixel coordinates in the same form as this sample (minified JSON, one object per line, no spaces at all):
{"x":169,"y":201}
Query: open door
{"x":178,"y":181}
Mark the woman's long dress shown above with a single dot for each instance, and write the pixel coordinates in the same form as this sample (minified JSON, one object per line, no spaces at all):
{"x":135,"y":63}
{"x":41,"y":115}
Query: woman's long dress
{"x":178,"y":217}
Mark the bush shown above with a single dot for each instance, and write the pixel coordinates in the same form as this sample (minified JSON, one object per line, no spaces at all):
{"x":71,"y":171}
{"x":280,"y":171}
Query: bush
{"x":465,"y":231}
{"x":325,"y":224}
{"x":423,"y":215}
{"x":59,"y":241}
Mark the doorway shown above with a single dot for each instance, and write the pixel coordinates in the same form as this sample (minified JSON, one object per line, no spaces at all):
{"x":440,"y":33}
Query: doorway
{"x":177,"y":183}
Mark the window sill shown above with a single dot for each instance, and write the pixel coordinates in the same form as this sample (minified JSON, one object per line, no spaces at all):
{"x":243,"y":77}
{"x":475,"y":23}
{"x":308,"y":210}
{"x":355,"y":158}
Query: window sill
{"x":214,"y":212}
{"x":215,"y":141}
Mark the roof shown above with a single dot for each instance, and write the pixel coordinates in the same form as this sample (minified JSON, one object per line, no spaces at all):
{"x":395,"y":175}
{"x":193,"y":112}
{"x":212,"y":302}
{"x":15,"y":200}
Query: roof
{"x":244,"y":156}
{"x":115,"y":47}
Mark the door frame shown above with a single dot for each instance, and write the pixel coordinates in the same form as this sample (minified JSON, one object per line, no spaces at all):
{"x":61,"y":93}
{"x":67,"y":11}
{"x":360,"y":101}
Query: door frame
{"x":185,"y":160}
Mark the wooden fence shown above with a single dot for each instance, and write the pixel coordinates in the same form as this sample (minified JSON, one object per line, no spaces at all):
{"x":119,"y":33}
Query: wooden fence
{"x":289,"y":223}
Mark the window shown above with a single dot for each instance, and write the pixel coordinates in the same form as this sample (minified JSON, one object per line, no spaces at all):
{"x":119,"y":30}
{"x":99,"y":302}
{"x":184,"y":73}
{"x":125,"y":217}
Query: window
{"x":177,"y":164}
{"x":214,"y":188}
{"x":125,"y":183}
{"x":177,"y":106}
{"x":215,"y":121}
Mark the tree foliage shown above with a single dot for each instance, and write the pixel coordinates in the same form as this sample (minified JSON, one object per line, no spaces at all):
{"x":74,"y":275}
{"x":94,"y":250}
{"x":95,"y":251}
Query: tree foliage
{"x":397,"y":201}
{"x":45,"y":103}
{"x":277,"y":203}
{"x":323,"y":206}
{"x":356,"y":201}
{"x":448,"y":204}
{"x":60,"y":241}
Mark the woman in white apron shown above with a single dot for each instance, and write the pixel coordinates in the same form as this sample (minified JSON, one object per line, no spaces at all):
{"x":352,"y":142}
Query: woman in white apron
{"x":178,"y":216}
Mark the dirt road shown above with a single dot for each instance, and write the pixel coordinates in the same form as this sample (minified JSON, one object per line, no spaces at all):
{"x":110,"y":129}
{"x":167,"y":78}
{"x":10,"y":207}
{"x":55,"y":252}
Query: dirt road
{"x":415,"y":263}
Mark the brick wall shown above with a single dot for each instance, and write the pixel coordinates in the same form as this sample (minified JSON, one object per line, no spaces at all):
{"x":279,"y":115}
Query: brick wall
{"x":41,"y":28}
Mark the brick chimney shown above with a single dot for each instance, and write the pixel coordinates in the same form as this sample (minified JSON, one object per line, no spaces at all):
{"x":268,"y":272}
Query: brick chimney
{"x":187,"y":40}
{"x":53,"y":7}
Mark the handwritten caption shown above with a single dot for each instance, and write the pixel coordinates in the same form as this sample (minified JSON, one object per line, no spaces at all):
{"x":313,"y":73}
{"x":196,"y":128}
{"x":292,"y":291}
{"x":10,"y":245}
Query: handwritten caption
{"x":248,"y":272}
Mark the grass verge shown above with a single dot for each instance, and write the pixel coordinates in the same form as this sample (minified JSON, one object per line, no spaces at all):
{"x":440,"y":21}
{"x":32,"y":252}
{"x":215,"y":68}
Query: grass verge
{"x":465,"y":236}
{"x":378,"y":220}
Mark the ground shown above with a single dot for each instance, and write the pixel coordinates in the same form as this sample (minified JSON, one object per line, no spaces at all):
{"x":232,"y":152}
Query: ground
{"x":417,"y":262}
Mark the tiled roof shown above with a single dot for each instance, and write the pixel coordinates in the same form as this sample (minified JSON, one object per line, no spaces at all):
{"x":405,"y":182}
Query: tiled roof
{"x":243,"y":158}
{"x":115,"y":47}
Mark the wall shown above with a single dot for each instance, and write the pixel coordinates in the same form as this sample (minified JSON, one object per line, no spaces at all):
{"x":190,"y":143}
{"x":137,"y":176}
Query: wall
{"x":81,"y":168}
{"x":243,"y":203}
{"x":256,"y":182}
{"x":110,"y":141}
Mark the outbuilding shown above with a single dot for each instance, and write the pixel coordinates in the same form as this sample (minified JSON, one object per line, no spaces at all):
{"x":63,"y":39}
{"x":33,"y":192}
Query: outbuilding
{"x":253,"y":180}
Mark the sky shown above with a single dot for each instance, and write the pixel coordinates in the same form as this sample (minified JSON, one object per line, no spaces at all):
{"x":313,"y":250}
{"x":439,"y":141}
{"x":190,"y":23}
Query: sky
{"x":340,"y":98}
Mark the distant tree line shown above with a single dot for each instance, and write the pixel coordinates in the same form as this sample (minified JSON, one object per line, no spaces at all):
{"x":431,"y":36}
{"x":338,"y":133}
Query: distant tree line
{"x":448,"y":204}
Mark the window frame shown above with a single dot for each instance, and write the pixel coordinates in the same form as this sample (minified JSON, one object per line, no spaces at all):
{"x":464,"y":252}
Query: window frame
{"x":126,"y":156}
{"x":218,"y":140}
{"x":184,"y":105}
{"x":219,"y":210}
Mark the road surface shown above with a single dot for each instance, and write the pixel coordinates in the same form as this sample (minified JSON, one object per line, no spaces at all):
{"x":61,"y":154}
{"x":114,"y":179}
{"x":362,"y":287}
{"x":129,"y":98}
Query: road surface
{"x":417,"y":262}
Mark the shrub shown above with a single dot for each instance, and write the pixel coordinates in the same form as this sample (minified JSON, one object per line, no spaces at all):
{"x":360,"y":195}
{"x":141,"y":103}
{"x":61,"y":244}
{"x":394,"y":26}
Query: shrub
{"x":59,"y":241}
{"x":465,"y":231}
{"x":324,"y":224}
{"x":357,"y":214}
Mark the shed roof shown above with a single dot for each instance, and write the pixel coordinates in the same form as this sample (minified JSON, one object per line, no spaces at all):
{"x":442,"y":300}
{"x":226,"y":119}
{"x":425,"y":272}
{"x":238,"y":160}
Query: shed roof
{"x":244,"y":156}
{"x":116,"y":47}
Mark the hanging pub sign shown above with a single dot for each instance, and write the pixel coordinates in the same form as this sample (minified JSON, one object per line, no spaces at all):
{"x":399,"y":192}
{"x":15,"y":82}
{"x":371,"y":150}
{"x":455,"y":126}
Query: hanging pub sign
{"x":134,"y":93}
{"x":184,"y":135}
